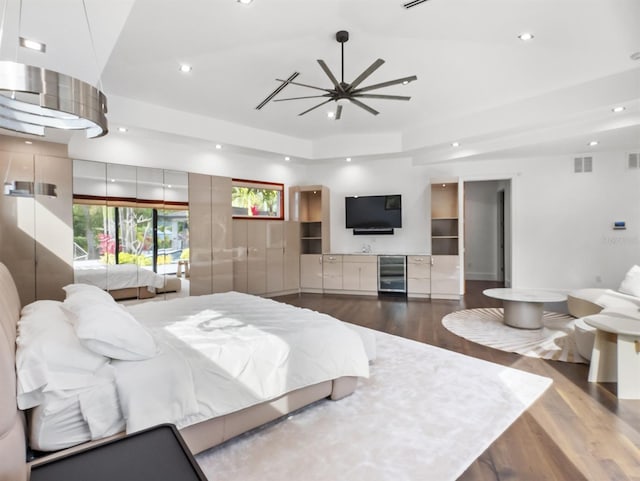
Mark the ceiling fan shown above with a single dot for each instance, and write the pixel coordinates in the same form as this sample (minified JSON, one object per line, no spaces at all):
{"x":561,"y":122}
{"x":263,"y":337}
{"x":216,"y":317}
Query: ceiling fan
{"x":351,"y":92}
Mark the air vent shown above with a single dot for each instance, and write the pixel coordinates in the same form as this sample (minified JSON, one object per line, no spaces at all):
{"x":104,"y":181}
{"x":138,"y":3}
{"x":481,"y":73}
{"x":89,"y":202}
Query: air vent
{"x":413,"y":3}
{"x":583,"y":164}
{"x":634,"y":160}
{"x":277,"y":90}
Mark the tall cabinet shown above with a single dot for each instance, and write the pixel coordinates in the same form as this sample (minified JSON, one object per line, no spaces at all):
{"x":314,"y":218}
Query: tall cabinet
{"x":210,"y":239}
{"x":446,"y":235}
{"x":266,"y":256}
{"x":309,"y":205}
{"x":36,"y":225}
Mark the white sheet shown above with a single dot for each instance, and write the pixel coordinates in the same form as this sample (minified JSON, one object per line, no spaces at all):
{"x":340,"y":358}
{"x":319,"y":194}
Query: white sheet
{"x":238,"y":350}
{"x":120,"y":276}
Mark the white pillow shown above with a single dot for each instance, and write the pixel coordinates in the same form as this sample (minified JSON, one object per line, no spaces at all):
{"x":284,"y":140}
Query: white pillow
{"x":49,"y":355}
{"x":110,"y":330}
{"x":83,"y":293}
{"x":631,"y":283}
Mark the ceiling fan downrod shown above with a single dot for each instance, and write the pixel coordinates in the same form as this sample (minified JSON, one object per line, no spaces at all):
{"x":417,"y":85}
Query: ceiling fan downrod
{"x":342,"y":36}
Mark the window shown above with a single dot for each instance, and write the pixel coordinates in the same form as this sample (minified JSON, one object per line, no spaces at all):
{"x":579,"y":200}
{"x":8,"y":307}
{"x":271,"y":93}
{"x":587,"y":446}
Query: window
{"x":254,"y":199}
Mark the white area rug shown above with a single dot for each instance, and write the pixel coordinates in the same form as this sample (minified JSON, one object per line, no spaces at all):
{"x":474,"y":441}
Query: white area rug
{"x":424,"y":414}
{"x":486,"y":326}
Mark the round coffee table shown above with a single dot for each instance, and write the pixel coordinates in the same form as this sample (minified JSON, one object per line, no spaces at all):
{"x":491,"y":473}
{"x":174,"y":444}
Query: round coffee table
{"x":523,"y":308}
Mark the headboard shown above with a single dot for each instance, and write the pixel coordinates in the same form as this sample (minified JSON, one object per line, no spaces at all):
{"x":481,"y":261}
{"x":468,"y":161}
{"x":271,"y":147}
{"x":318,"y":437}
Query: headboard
{"x":13,"y":466}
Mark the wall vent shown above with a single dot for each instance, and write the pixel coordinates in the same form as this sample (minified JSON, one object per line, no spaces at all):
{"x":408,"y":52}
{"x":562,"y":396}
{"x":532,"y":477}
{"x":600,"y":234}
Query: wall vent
{"x":634,"y":160}
{"x":583,"y":164}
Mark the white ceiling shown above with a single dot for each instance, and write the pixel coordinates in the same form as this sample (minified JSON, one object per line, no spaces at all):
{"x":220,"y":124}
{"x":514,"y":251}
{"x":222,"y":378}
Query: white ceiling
{"x":477,"y":82}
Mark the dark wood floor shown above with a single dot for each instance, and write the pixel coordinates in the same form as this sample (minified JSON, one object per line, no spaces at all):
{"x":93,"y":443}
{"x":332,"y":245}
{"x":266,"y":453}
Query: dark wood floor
{"x":575,"y":431}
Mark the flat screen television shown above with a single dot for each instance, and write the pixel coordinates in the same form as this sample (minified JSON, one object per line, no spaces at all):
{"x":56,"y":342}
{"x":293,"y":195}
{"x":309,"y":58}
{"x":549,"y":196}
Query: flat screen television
{"x":373,"y":212}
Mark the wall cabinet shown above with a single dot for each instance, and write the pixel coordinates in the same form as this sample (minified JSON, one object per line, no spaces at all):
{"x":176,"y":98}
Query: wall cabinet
{"x":418,"y":276}
{"x":446,"y":235}
{"x":360,"y":273}
{"x":210,"y":236}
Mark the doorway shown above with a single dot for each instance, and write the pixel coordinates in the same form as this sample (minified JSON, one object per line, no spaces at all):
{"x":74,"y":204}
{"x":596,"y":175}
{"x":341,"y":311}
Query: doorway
{"x":487,"y":227}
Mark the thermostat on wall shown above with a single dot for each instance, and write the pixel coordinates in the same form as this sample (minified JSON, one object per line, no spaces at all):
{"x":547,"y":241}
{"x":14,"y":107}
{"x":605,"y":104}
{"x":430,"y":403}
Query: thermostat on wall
{"x":619,"y":225}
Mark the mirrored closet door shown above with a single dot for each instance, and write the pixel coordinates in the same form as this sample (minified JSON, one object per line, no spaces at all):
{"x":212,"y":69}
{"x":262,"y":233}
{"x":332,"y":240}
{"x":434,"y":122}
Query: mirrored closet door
{"x":131,"y":229}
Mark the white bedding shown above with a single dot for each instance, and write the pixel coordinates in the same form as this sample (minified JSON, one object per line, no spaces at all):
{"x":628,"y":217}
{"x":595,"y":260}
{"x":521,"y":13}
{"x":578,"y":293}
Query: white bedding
{"x":119,"y":276}
{"x":237,"y":350}
{"x":218,"y":354}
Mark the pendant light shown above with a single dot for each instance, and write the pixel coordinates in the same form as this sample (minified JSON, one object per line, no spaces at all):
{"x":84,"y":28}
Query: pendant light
{"x":32,"y":97}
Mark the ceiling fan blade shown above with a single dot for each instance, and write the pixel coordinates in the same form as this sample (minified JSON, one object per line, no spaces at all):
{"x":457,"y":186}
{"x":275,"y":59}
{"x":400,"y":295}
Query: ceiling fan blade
{"x":375,"y":96}
{"x":372,"y":68}
{"x":313,"y":108}
{"x":363,"y":106}
{"x":303,"y":85}
{"x":334,"y":80}
{"x":384,"y":84}
{"x":339,"y":112}
{"x":299,"y":98}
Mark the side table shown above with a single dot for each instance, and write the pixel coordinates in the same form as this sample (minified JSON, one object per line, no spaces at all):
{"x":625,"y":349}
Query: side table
{"x":616,"y":353}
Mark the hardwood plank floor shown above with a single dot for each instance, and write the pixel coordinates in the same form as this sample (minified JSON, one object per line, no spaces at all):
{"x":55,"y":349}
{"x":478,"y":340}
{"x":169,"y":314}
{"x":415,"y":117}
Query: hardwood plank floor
{"x":576,"y":431}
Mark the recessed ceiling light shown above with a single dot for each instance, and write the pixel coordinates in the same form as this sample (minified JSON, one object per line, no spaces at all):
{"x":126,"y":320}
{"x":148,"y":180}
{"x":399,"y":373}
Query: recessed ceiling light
{"x":618,"y":109}
{"x":218,"y":146}
{"x":525,"y":36}
{"x":244,"y":2}
{"x":113,"y":180}
{"x":287,"y":159}
{"x":593,"y":143}
{"x":168,"y":186}
{"x":184,"y":68}
{"x":33,"y":45}
{"x":28,"y":142}
{"x":348,"y":159}
{"x":123,"y":129}
{"x":455,"y":144}
{"x":331,"y":114}
{"x":405,"y":82}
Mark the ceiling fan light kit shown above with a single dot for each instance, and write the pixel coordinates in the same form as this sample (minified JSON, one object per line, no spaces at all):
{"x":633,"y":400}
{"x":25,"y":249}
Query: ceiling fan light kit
{"x":344,"y":92}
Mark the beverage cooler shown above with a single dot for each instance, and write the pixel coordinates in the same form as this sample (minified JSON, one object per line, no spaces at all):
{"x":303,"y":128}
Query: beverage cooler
{"x":392,"y":274}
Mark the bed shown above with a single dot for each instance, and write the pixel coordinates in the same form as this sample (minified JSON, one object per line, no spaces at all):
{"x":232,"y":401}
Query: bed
{"x":170,"y":324}
{"x":125,"y":281}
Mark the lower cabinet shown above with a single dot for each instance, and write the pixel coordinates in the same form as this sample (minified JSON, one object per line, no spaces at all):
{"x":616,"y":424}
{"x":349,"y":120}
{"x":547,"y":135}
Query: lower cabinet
{"x":445,"y":277}
{"x":332,"y":272}
{"x":418,"y":276}
{"x":360,"y":273}
{"x":311,"y":273}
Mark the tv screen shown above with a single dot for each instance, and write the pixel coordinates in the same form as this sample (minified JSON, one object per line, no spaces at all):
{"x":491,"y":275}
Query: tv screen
{"x":373,"y":211}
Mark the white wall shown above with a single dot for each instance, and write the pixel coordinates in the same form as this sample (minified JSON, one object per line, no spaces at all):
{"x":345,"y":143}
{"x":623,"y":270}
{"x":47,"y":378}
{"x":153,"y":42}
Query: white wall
{"x":561,"y":222}
{"x":381,"y":177}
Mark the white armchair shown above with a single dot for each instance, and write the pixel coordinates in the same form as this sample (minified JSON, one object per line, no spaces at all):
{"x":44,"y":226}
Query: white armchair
{"x":588,"y":302}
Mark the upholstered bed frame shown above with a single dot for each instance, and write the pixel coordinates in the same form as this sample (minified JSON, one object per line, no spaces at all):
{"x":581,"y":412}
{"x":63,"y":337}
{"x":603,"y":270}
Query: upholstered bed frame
{"x":201,"y":436}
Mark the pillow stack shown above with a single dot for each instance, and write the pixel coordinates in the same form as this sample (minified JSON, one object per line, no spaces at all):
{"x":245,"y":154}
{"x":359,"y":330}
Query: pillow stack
{"x":64,"y":347}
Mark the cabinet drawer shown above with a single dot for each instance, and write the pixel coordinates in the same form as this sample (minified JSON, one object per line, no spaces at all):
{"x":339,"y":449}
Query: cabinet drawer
{"x":419,"y":260}
{"x":331,"y":259}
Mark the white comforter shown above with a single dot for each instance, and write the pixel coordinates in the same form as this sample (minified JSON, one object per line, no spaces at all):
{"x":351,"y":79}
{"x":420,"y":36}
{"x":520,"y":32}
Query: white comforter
{"x":225,"y":352}
{"x":119,"y":276}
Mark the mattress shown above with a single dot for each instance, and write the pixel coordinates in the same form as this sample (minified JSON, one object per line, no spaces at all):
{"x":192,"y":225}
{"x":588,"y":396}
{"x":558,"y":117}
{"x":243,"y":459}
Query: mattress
{"x":218,"y":354}
{"x":119,"y":276}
